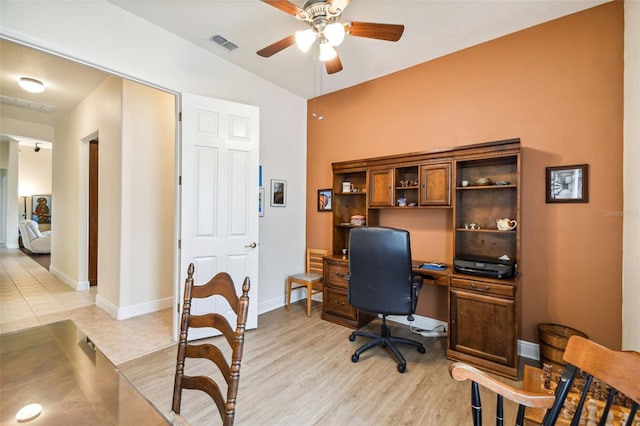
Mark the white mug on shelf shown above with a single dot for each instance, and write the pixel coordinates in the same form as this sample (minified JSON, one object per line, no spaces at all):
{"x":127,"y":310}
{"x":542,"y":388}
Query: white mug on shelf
{"x":347,"y":187}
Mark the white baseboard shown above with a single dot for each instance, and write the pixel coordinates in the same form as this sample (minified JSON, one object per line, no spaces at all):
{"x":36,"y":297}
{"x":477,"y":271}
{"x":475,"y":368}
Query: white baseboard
{"x":133,"y":310}
{"x":529,"y":350}
{"x":278,"y":302}
{"x":76,"y":285}
{"x":107,"y":306}
{"x":144,"y":308}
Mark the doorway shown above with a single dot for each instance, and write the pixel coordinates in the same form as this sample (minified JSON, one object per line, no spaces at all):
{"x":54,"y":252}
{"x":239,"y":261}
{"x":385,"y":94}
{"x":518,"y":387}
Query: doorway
{"x":93,"y":214}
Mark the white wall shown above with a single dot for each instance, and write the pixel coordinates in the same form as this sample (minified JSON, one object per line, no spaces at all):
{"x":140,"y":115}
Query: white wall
{"x":631,"y":224}
{"x":101,"y":34}
{"x":100,"y":114}
{"x":148,"y":214}
{"x":9,"y":196}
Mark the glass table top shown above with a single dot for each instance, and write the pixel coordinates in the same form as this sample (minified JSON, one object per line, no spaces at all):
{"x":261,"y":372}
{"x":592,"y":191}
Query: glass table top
{"x":58,"y":367}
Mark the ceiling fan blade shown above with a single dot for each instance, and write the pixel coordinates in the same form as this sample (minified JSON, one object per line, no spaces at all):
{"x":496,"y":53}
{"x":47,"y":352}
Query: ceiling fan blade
{"x":285,"y":6}
{"x":276,"y":47}
{"x":389,"y":32}
{"x":338,"y":4}
{"x":333,"y":65}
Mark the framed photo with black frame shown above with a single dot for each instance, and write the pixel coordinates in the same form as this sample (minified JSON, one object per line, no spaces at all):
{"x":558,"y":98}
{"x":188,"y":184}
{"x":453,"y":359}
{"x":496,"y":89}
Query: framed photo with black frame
{"x":325,"y":200}
{"x":278,"y":193}
{"x":568,"y":184}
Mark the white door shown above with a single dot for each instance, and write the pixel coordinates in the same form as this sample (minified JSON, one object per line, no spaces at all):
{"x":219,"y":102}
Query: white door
{"x":219,"y":201}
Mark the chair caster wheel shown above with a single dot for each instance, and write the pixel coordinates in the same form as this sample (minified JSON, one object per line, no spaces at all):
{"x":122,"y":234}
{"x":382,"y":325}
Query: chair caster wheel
{"x":352,"y":337}
{"x":402,"y":368}
{"x":421,"y":349}
{"x":355,"y":358}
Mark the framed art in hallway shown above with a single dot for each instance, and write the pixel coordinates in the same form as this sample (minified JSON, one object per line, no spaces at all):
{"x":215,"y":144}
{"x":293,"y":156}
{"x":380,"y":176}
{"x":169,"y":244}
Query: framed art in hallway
{"x":568,"y":184}
{"x":41,"y":208}
{"x":278,"y":193}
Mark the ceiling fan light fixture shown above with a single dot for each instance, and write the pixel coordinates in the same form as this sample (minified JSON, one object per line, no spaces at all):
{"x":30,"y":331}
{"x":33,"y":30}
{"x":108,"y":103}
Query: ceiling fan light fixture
{"x":31,"y":85}
{"x":334,"y":33}
{"x":327,"y":52}
{"x":304,"y":39}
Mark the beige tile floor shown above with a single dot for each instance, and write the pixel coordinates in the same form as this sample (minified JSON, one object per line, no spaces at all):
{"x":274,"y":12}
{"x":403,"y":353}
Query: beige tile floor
{"x":30,"y":295}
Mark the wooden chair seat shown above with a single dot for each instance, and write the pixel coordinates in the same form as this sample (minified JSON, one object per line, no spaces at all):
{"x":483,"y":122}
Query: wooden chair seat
{"x":311,"y":279}
{"x":598,"y":369}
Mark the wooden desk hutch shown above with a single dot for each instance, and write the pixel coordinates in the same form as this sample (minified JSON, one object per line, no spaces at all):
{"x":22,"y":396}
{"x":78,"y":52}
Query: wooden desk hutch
{"x":483,"y":313}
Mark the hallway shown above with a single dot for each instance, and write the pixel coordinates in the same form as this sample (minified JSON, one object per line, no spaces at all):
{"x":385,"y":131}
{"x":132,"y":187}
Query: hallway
{"x":30,"y":295}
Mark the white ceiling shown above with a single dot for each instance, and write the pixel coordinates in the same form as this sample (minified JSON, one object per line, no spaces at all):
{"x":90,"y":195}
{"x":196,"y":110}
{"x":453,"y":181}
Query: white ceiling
{"x":433,"y":28}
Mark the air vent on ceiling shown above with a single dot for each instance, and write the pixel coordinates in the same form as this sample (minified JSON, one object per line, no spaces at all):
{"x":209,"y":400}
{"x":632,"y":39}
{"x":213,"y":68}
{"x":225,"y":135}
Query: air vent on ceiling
{"x":21,"y":103}
{"x":223,"y":42}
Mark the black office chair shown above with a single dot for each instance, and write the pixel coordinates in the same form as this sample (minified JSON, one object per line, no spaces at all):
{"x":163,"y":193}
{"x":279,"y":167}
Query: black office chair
{"x":380,"y":281}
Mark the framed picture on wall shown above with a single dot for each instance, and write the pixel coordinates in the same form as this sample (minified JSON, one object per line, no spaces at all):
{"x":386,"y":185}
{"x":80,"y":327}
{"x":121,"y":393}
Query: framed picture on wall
{"x":41,"y":208}
{"x":325,"y":198}
{"x":261,"y":202}
{"x":568,"y":184}
{"x":278,"y":193}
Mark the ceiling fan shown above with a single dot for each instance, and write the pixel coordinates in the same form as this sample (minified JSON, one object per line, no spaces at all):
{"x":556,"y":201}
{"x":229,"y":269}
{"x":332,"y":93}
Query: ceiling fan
{"x":323,"y":18}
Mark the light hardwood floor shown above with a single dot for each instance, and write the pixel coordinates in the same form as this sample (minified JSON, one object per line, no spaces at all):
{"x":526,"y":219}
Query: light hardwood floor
{"x":298,"y":371}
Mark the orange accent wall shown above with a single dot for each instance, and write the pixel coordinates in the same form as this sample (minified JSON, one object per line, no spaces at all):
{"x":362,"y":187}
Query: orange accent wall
{"x":559,"y":88}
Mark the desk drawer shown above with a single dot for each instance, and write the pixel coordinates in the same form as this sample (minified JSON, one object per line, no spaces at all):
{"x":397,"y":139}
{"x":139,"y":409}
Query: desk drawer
{"x":336,"y":302}
{"x":484,"y":287}
{"x":335,"y":273}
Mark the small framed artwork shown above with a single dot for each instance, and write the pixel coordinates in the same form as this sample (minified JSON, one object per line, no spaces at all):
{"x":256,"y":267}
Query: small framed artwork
{"x":568,"y":184}
{"x":41,"y":208}
{"x":325,"y":198}
{"x":261,"y":202}
{"x":278,"y":193}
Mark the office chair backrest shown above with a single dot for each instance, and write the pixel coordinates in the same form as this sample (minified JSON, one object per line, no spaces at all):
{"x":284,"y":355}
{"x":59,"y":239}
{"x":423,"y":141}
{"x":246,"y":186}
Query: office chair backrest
{"x":380,"y":270}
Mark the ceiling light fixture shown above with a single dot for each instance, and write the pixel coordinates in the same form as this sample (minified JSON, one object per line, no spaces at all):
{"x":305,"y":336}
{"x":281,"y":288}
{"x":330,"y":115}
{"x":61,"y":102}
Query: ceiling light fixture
{"x":327,"y":52}
{"x":31,"y":85}
{"x":324,"y":27}
{"x":28,"y":413}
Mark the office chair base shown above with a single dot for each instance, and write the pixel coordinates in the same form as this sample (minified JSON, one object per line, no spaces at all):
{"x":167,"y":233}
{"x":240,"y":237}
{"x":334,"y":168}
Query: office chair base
{"x":386,"y":341}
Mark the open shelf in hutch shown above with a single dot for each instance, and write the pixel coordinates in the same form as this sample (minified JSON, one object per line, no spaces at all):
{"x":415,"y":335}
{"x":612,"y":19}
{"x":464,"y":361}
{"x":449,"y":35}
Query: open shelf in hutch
{"x":482,"y":205}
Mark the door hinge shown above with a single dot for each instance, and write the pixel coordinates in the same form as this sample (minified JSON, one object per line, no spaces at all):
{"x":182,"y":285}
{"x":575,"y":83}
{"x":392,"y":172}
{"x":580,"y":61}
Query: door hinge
{"x":179,"y":244}
{"x":179,"y":180}
{"x":180,"y":116}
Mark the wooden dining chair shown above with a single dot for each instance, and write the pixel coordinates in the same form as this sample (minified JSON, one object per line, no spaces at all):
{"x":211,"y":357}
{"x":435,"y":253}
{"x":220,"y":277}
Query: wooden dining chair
{"x":311,"y":279}
{"x":590,"y":370}
{"x":222,"y":285}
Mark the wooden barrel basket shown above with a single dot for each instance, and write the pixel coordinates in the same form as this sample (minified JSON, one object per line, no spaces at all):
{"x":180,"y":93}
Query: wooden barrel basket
{"x":553,"y":341}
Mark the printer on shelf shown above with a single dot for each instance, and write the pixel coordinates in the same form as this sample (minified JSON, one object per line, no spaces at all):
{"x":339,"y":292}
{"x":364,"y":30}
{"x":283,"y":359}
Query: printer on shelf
{"x":485,"y":266}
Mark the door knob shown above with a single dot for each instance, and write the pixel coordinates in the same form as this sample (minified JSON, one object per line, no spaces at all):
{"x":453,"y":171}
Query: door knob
{"x":252,"y":245}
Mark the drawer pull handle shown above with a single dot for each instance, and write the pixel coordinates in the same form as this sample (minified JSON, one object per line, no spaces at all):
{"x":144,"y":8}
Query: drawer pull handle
{"x":337,"y":302}
{"x":340,"y":275}
{"x":485,"y":288}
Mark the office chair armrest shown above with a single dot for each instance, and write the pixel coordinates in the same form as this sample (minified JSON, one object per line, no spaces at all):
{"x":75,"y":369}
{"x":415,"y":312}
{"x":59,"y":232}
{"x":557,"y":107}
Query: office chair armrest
{"x":461,"y":372}
{"x":416,"y":283}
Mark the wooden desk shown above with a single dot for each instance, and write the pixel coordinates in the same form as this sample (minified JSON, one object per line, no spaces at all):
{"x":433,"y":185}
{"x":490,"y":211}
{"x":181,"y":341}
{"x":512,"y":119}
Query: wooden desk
{"x":336,"y":307}
{"x":56,"y":366}
{"x":432,"y":276}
